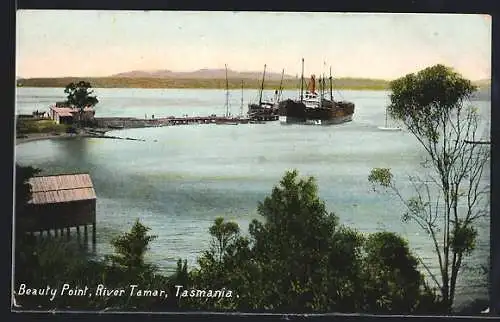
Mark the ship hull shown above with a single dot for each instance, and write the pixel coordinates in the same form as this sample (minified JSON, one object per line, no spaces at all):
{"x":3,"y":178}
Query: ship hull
{"x":332,"y":121}
{"x":268,"y":113}
{"x":297,"y":113}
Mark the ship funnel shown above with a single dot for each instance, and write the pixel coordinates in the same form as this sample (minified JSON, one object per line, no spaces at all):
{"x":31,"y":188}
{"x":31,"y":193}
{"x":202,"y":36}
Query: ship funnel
{"x":312,"y":84}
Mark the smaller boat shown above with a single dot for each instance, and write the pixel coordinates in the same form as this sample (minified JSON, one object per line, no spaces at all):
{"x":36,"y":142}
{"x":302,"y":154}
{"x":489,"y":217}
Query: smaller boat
{"x":227,"y":119}
{"x":386,"y":127}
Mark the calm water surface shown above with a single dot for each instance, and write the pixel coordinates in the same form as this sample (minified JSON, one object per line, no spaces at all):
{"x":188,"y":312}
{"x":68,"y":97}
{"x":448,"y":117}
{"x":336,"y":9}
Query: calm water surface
{"x":183,"y":177}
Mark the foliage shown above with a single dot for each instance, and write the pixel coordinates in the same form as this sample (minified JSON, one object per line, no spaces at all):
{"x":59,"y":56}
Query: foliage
{"x":43,"y":261}
{"x":298,"y":259}
{"x":450,"y":197}
{"x":393,"y":270}
{"x":80,"y":94}
{"x":23,"y":188}
{"x":27,"y":126}
{"x":301,"y":260}
{"x":22,"y":194}
{"x":130,"y":248}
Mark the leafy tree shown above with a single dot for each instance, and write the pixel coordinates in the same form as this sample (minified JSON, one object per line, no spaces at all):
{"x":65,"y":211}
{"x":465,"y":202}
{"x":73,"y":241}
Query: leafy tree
{"x":130,"y":248}
{"x":395,"y":284}
{"x":80,"y":96}
{"x":297,"y":245}
{"x":450,"y":197}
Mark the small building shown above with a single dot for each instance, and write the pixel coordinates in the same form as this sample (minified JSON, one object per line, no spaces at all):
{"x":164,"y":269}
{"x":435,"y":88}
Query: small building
{"x":68,"y":115}
{"x":61,"y":201}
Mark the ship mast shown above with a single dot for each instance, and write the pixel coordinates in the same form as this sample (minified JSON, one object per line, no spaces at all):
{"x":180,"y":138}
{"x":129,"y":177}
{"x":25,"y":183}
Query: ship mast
{"x":262,"y":86}
{"x":241,"y":107}
{"x":320,"y":91}
{"x":281,"y":86}
{"x":302,"y":82}
{"x":227,"y":94}
{"x":331,"y":86}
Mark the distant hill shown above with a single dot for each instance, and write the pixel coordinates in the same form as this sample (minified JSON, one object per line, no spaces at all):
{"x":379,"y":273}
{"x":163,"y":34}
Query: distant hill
{"x":482,"y":83}
{"x":200,"y":74}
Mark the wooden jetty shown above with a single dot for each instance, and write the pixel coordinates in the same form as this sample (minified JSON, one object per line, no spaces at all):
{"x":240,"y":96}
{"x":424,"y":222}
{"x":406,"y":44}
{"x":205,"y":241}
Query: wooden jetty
{"x":127,"y":122}
{"x":60,"y":203}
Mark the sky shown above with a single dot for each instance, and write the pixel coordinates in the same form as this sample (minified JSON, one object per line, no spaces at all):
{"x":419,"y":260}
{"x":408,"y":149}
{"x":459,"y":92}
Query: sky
{"x":56,"y":43}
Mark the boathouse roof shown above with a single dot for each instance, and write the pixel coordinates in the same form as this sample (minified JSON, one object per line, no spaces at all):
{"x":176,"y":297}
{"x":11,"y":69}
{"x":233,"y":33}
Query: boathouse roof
{"x":61,"y":188}
{"x":68,"y":111}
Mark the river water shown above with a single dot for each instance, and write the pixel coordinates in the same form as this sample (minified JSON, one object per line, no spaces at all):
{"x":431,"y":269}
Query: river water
{"x":183,"y":177}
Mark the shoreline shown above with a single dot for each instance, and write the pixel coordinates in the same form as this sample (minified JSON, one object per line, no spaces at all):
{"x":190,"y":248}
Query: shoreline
{"x":36,"y":137}
{"x":33,"y":137}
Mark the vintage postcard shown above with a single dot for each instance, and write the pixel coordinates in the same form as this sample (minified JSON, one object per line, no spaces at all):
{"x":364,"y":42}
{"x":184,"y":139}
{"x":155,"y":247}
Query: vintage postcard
{"x":252,"y":162}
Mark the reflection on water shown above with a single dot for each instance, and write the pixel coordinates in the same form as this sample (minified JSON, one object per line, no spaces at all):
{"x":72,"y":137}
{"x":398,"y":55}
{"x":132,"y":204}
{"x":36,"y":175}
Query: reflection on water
{"x":183,"y":177}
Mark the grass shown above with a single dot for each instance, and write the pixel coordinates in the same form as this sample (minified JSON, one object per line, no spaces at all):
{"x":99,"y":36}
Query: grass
{"x":30,"y":126}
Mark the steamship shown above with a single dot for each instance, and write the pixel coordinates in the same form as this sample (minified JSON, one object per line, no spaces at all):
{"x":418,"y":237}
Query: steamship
{"x":314,"y":107}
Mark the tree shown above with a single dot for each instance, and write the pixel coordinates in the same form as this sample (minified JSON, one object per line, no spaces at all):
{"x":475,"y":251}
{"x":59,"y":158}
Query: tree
{"x":307,"y":259}
{"x":394,"y":283}
{"x":450,"y":196}
{"x":130,"y":248}
{"x":80,"y":96}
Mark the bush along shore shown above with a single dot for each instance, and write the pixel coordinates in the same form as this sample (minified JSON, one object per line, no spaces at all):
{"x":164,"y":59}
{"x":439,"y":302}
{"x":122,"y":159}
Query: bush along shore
{"x":297,"y":258}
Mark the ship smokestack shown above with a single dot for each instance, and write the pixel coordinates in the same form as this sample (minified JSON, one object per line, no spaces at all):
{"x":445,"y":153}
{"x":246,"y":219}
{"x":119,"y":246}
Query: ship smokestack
{"x":312,"y":84}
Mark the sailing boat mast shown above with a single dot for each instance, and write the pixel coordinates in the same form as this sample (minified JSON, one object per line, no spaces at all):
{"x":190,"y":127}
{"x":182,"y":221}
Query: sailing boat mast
{"x":227,"y":94}
{"x":281,"y":85}
{"x":321,"y":91}
{"x":241,"y":107}
{"x":331,"y":85}
{"x":262,"y":86}
{"x":302,"y":82}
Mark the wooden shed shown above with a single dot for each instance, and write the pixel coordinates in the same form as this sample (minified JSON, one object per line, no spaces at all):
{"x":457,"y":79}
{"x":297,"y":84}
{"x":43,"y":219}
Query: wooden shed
{"x":61,"y":202}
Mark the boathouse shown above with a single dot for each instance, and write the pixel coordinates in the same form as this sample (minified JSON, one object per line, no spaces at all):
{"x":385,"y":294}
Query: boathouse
{"x":62,"y":202}
{"x":68,"y":115}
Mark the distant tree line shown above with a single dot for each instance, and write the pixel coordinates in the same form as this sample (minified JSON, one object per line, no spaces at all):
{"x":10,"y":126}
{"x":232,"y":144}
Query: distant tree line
{"x":111,"y":82}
